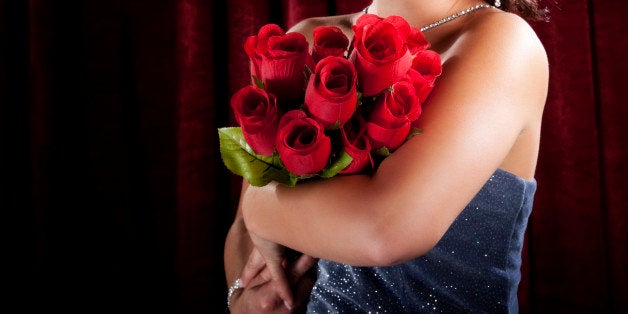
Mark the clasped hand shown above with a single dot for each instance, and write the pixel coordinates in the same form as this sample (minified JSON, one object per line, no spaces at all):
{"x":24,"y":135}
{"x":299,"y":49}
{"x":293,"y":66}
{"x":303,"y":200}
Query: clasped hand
{"x":272,"y":283}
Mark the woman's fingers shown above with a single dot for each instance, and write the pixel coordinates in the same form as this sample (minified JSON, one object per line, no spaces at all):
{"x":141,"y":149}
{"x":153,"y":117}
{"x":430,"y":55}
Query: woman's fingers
{"x":261,"y":299}
{"x":299,"y":267}
{"x":274,"y":256}
{"x":302,"y":280}
{"x":280,"y":280}
{"x":267,"y":262}
{"x":261,"y":278}
{"x":264,"y":295}
{"x":253,"y":267}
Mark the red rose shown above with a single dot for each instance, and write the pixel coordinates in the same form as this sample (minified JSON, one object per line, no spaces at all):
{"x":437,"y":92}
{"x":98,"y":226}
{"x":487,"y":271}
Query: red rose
{"x":328,"y":41}
{"x":257,"y":114}
{"x":357,"y":145}
{"x":404,"y":29}
{"x":331,"y":95}
{"x":393,"y":113}
{"x":422,"y":86}
{"x":428,"y":64}
{"x":257,"y":45}
{"x":302,"y":144}
{"x":278,"y":60}
{"x":283,"y":65}
{"x":380,"y":54}
{"x":416,"y":41}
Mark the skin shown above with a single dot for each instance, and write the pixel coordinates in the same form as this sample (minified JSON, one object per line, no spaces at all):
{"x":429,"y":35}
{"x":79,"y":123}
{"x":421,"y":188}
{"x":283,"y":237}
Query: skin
{"x":261,"y":294}
{"x":484,"y":113}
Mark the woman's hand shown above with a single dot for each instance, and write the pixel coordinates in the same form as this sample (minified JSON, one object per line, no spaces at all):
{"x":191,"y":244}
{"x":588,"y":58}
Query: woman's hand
{"x":268,"y":256}
{"x":260,"y":292}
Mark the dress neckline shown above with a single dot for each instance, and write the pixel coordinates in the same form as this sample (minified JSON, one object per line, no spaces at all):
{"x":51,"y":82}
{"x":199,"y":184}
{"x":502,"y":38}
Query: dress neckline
{"x":510,"y":174}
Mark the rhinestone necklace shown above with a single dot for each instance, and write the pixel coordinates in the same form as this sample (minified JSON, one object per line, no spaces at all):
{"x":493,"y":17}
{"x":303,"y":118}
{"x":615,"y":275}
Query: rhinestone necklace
{"x":449,"y":18}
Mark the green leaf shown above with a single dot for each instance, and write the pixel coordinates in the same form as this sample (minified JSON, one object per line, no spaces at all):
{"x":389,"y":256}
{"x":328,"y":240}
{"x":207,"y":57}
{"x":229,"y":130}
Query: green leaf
{"x":337,"y":165}
{"x":414,"y":132}
{"x":258,"y":82}
{"x":335,"y":126}
{"x":383,"y":151}
{"x":240,"y":159}
{"x":307,"y":72}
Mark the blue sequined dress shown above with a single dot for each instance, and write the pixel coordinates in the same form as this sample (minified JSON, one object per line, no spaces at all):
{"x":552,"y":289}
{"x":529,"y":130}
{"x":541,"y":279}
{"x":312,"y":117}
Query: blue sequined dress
{"x":474,"y":268}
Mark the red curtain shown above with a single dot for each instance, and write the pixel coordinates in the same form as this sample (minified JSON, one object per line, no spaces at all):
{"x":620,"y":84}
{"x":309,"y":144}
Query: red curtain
{"x":115,"y":197}
{"x":577,"y":249}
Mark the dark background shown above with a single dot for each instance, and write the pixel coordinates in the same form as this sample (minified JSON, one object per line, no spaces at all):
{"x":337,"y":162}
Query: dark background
{"x":114,"y":197}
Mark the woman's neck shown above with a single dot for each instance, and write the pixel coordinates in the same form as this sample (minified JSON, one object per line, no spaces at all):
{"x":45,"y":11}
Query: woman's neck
{"x":420,"y":12}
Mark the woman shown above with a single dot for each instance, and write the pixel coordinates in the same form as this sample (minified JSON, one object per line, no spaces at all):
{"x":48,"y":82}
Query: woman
{"x":440,"y":224}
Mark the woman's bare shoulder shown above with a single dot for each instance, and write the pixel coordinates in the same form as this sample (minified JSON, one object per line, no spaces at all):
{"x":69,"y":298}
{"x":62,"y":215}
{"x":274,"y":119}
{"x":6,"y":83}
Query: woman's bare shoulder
{"x":503,"y":33}
{"x":505,"y":46}
{"x":306,"y":26}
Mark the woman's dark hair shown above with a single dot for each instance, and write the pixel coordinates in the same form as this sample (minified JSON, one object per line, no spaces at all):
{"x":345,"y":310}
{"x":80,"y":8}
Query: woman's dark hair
{"x":528,"y":9}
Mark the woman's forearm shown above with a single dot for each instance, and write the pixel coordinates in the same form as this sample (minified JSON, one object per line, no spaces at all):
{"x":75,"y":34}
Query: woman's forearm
{"x":238,"y":244}
{"x":290,"y":216}
{"x":343,"y":219}
{"x":238,"y":247}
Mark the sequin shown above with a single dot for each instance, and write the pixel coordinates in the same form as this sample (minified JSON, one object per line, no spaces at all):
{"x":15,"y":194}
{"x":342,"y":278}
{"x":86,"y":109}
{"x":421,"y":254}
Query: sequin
{"x":475,"y":267}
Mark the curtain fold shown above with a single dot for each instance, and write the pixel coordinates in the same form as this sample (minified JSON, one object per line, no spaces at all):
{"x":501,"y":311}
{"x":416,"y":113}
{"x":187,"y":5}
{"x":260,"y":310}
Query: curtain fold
{"x":112,"y":181}
{"x":579,"y":219}
{"x":567,"y":222}
{"x":95,"y":111}
{"x":609,"y":67}
{"x":202,"y":183}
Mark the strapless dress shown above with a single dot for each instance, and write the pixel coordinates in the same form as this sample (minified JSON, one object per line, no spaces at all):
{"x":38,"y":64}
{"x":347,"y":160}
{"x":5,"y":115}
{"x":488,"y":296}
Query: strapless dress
{"x":474,"y":268}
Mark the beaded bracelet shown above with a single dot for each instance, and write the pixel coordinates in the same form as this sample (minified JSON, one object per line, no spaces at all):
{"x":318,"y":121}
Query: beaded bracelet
{"x":235,"y":286}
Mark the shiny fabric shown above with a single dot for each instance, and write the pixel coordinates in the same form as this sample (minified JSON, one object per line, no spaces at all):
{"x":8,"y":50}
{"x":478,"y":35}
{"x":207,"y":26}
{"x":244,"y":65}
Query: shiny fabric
{"x":475,"y":267}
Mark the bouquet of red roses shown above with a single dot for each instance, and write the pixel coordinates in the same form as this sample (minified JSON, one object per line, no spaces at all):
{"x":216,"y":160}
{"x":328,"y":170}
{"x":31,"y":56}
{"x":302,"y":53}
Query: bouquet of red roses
{"x":337,"y":108}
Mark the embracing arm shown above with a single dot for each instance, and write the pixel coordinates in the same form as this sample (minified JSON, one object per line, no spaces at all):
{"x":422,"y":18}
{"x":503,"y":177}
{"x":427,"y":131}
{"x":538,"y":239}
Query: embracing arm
{"x":259,"y":293}
{"x":238,"y":246}
{"x":488,"y":96}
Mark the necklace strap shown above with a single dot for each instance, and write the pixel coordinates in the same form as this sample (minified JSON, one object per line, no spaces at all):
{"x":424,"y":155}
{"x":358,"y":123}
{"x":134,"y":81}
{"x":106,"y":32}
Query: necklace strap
{"x":447,"y":19}
{"x":455,"y":16}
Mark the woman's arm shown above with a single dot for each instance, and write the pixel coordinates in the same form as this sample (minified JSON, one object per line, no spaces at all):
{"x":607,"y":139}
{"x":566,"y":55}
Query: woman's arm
{"x":492,"y":91}
{"x":238,"y":245}
{"x":261,"y":295}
